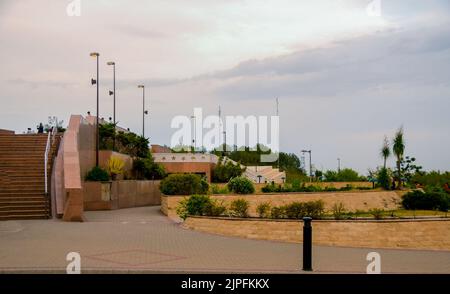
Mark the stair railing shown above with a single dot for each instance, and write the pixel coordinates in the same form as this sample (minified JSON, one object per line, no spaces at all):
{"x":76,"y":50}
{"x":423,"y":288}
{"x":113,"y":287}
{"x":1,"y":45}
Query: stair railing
{"x":50,"y":140}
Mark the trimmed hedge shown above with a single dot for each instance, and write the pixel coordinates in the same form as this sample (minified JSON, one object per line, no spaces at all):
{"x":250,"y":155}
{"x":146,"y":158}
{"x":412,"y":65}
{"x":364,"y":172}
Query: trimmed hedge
{"x":97,"y":174}
{"x":432,"y":199}
{"x":183,"y":184}
{"x":241,"y":185}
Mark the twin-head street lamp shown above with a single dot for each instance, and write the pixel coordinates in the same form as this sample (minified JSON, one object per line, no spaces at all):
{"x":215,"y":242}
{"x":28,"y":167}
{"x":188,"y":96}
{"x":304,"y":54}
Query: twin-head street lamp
{"x":144,"y":112}
{"x":113,"y":92}
{"x":96,"y":82}
{"x":310,"y":164}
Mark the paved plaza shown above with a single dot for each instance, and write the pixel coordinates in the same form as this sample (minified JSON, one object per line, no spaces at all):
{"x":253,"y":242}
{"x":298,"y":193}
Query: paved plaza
{"x":142,"y":240}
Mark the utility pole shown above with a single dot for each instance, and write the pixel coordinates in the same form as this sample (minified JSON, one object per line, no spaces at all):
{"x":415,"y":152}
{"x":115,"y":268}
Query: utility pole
{"x":339,"y":165}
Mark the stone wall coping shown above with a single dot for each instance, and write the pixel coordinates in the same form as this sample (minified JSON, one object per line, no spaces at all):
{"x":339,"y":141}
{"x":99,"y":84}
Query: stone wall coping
{"x":434,"y":219}
{"x":287,"y":193}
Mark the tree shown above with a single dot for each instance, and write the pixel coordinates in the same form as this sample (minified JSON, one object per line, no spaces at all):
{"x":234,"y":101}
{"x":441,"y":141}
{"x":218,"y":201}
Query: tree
{"x":385,"y":151}
{"x":398,"y":148}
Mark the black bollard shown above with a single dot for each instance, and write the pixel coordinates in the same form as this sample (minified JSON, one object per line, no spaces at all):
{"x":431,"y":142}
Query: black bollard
{"x":307,"y":244}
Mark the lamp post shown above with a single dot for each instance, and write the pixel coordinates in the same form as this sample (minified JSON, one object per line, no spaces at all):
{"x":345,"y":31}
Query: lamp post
{"x":310,"y":164}
{"x":143,"y":109}
{"x":114,"y":100}
{"x":339,"y":165}
{"x":93,"y":82}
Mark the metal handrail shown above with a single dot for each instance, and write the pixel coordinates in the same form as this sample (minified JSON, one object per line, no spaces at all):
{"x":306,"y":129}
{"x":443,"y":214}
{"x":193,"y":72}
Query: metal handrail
{"x":50,"y":140}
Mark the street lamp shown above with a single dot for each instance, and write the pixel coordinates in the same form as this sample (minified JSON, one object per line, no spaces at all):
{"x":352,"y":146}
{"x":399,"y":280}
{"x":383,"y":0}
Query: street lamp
{"x":144,"y":112}
{"x":96,"y":82}
{"x":339,"y":165}
{"x":310,"y":164}
{"x":113,"y":92}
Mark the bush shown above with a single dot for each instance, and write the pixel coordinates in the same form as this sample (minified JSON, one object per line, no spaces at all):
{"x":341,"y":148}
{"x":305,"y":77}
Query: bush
{"x":183,"y":184}
{"x":377,"y":213}
{"x":146,"y":168}
{"x":384,"y":180}
{"x":215,"y":189}
{"x":241,"y":185}
{"x":239,"y":208}
{"x":263,"y":210}
{"x":214,"y":208}
{"x":278,"y":212}
{"x":432,"y":199}
{"x":314,"y":209}
{"x":295,"y":210}
{"x":97,"y":174}
{"x":194,"y":205}
{"x":223,"y":172}
{"x":115,"y":166}
{"x":338,"y":210}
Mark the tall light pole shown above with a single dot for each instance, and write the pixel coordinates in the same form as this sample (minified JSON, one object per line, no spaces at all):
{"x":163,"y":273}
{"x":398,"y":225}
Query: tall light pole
{"x":310,"y":164}
{"x":93,"y":82}
{"x":144,"y":112}
{"x":114,"y":100}
{"x":339,"y":165}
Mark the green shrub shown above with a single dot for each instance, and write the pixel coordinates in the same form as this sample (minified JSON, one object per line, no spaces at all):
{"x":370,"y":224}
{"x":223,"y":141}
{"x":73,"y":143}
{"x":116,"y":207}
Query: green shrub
{"x":295,"y":210}
{"x":194,"y":205}
{"x":384,"y":180}
{"x":432,"y":199}
{"x":183,"y":184}
{"x":241,"y":185}
{"x":314,"y":209}
{"x":214,"y":208}
{"x":146,"y":168}
{"x":224,"y":171}
{"x":278,"y":212}
{"x":97,"y":174}
{"x":377,"y":213}
{"x":338,"y":210}
{"x":239,"y":208}
{"x":215,"y":189}
{"x":263,"y":210}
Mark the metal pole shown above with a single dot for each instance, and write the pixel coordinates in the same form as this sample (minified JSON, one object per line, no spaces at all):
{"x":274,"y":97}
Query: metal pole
{"x":97,"y":139}
{"x":339,"y":165}
{"x":307,"y":244}
{"x":114,"y":107}
{"x":310,"y":166}
{"x":143,"y":112}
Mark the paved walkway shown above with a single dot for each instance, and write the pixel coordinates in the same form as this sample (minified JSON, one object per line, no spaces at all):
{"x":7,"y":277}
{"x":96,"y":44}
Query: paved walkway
{"x":143,"y":240}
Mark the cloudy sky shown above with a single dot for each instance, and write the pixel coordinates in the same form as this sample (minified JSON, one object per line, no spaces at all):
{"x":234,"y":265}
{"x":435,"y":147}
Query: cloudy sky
{"x":344,"y":77}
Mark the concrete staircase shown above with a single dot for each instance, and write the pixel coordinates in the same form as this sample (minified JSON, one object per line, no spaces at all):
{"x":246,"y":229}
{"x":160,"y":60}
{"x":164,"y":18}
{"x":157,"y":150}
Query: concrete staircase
{"x":22,"y":191}
{"x":268,"y":174}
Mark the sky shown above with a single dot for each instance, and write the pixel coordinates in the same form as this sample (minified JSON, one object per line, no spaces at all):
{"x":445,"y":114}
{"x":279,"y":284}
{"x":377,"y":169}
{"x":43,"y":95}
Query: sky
{"x":345,"y":75}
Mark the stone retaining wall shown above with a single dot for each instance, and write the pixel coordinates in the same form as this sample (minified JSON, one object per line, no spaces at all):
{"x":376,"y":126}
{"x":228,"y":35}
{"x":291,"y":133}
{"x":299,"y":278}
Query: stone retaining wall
{"x":412,"y":234}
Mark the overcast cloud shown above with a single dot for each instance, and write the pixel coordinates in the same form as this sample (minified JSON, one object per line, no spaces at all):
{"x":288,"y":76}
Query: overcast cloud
{"x":343,"y":79}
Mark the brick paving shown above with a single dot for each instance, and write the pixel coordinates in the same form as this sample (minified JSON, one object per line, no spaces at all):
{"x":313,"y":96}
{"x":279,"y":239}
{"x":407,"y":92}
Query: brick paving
{"x":142,"y":240}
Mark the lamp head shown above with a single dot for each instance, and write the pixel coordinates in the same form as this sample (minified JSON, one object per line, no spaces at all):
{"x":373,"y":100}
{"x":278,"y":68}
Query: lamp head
{"x":110,"y":63}
{"x":94,"y":54}
{"x":141,"y":86}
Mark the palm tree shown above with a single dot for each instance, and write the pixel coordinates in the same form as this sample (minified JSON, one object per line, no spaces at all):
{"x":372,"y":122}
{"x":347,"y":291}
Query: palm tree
{"x":385,"y":152}
{"x":398,"y":147}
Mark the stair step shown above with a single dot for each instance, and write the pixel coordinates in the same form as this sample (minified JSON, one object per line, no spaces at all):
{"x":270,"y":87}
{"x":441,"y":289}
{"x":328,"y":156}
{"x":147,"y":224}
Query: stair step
{"x":23,"y":217}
